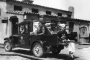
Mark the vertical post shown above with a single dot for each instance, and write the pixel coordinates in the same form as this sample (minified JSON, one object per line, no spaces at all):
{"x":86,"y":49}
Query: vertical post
{"x":78,"y":37}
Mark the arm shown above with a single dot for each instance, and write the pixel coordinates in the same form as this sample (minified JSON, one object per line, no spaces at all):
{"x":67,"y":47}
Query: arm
{"x":43,"y":31}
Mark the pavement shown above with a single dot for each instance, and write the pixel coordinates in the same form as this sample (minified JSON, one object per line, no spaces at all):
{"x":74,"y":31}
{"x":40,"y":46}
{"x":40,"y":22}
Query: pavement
{"x":82,"y":53}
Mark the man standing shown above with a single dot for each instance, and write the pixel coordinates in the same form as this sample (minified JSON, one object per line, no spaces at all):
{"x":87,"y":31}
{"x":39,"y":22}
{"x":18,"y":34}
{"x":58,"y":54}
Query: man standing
{"x":71,"y":45}
{"x":62,"y":33}
{"x":67,"y":38}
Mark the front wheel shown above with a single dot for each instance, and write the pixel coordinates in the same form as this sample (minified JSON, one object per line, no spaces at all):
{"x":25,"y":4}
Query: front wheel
{"x":8,"y":46}
{"x":38,"y":50}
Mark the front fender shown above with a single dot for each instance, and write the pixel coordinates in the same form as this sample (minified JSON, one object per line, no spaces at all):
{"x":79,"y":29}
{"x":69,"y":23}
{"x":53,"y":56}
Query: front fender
{"x":8,"y":38}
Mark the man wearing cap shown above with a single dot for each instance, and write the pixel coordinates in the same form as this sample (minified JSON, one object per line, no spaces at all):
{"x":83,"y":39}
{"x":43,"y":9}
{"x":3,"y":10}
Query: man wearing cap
{"x":40,"y":29}
{"x":66,"y":37}
{"x":71,"y":45}
{"x":62,"y":33}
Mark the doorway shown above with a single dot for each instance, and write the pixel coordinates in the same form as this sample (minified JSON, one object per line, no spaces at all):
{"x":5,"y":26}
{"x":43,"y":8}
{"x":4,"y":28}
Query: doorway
{"x":14,"y":21}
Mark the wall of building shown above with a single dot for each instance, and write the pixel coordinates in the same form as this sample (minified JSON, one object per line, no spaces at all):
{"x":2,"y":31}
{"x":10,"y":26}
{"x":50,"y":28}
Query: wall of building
{"x":9,"y":27}
{"x":2,"y":25}
{"x":3,"y":8}
{"x":6,"y":28}
{"x":82,"y":29}
{"x":26,"y":7}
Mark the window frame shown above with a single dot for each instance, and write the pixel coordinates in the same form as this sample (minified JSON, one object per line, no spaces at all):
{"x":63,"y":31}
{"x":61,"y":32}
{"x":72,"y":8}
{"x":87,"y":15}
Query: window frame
{"x":48,"y":12}
{"x":59,"y":14}
{"x":35,"y":10}
{"x":69,"y":15}
{"x":18,"y":8}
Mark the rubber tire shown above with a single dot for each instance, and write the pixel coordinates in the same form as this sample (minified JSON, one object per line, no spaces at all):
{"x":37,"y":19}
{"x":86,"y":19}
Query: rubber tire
{"x":57,"y":51}
{"x":36,"y":46}
{"x":8,"y":46}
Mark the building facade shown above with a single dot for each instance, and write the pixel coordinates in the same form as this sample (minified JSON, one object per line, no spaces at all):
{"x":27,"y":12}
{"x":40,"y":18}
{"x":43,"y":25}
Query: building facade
{"x":13,"y":12}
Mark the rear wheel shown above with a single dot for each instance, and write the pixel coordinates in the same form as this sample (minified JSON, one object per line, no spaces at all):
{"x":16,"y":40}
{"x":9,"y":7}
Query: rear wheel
{"x":38,"y":50}
{"x":8,"y":46}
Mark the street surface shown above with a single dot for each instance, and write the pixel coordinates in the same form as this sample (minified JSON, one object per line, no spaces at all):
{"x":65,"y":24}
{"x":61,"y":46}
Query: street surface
{"x":82,"y":53}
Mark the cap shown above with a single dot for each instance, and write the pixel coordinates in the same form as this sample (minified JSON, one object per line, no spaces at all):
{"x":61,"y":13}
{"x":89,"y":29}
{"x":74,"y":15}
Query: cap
{"x":62,"y":25}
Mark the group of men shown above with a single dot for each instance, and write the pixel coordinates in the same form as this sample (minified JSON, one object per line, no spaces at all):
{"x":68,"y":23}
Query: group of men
{"x":62,"y":34}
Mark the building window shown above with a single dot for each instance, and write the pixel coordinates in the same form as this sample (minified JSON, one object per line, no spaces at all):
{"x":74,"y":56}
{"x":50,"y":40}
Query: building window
{"x":4,"y":21}
{"x":68,"y":15}
{"x":34,"y":10}
{"x":17,"y":8}
{"x":59,"y":14}
{"x":48,"y":12}
{"x":71,"y":24}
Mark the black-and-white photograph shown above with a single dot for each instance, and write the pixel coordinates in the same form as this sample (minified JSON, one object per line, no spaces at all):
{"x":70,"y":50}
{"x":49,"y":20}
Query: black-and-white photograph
{"x":44,"y":30}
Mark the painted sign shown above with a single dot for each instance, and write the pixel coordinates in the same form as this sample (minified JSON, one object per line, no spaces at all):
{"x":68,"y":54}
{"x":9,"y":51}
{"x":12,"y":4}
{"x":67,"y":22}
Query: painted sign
{"x":83,"y":31}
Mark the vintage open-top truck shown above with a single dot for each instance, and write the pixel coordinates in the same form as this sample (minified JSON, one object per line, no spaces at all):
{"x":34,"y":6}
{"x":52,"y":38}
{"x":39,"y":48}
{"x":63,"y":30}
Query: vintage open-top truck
{"x":38,"y":44}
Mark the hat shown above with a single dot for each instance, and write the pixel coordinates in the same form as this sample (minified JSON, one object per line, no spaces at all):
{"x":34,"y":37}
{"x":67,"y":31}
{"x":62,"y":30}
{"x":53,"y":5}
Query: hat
{"x":62,"y":25}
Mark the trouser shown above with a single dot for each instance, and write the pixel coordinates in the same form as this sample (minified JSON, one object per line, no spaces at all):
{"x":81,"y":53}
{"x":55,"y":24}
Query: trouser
{"x":71,"y":47}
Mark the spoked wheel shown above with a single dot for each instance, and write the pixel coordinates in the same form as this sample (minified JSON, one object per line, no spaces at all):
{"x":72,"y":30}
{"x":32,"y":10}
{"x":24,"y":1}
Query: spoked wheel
{"x":38,"y":50}
{"x":8,"y":46}
{"x":56,"y":51}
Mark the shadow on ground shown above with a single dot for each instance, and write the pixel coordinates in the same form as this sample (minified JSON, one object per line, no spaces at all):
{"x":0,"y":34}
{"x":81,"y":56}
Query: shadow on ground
{"x":59,"y":56}
{"x":29,"y":55}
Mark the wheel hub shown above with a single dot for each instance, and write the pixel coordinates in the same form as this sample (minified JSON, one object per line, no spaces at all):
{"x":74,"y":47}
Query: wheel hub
{"x":7,"y":46}
{"x":37,"y":50}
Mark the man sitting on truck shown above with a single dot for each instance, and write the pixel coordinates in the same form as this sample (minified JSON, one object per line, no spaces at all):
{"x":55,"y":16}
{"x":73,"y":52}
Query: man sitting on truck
{"x":62,"y":33}
{"x":40,"y":29}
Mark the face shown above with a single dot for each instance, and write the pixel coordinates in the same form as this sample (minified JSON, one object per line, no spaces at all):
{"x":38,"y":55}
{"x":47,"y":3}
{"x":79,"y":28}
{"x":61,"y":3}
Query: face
{"x":62,"y":28}
{"x":41,"y":19}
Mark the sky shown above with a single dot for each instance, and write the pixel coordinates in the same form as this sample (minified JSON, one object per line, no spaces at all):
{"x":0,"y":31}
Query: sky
{"x":81,"y":7}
